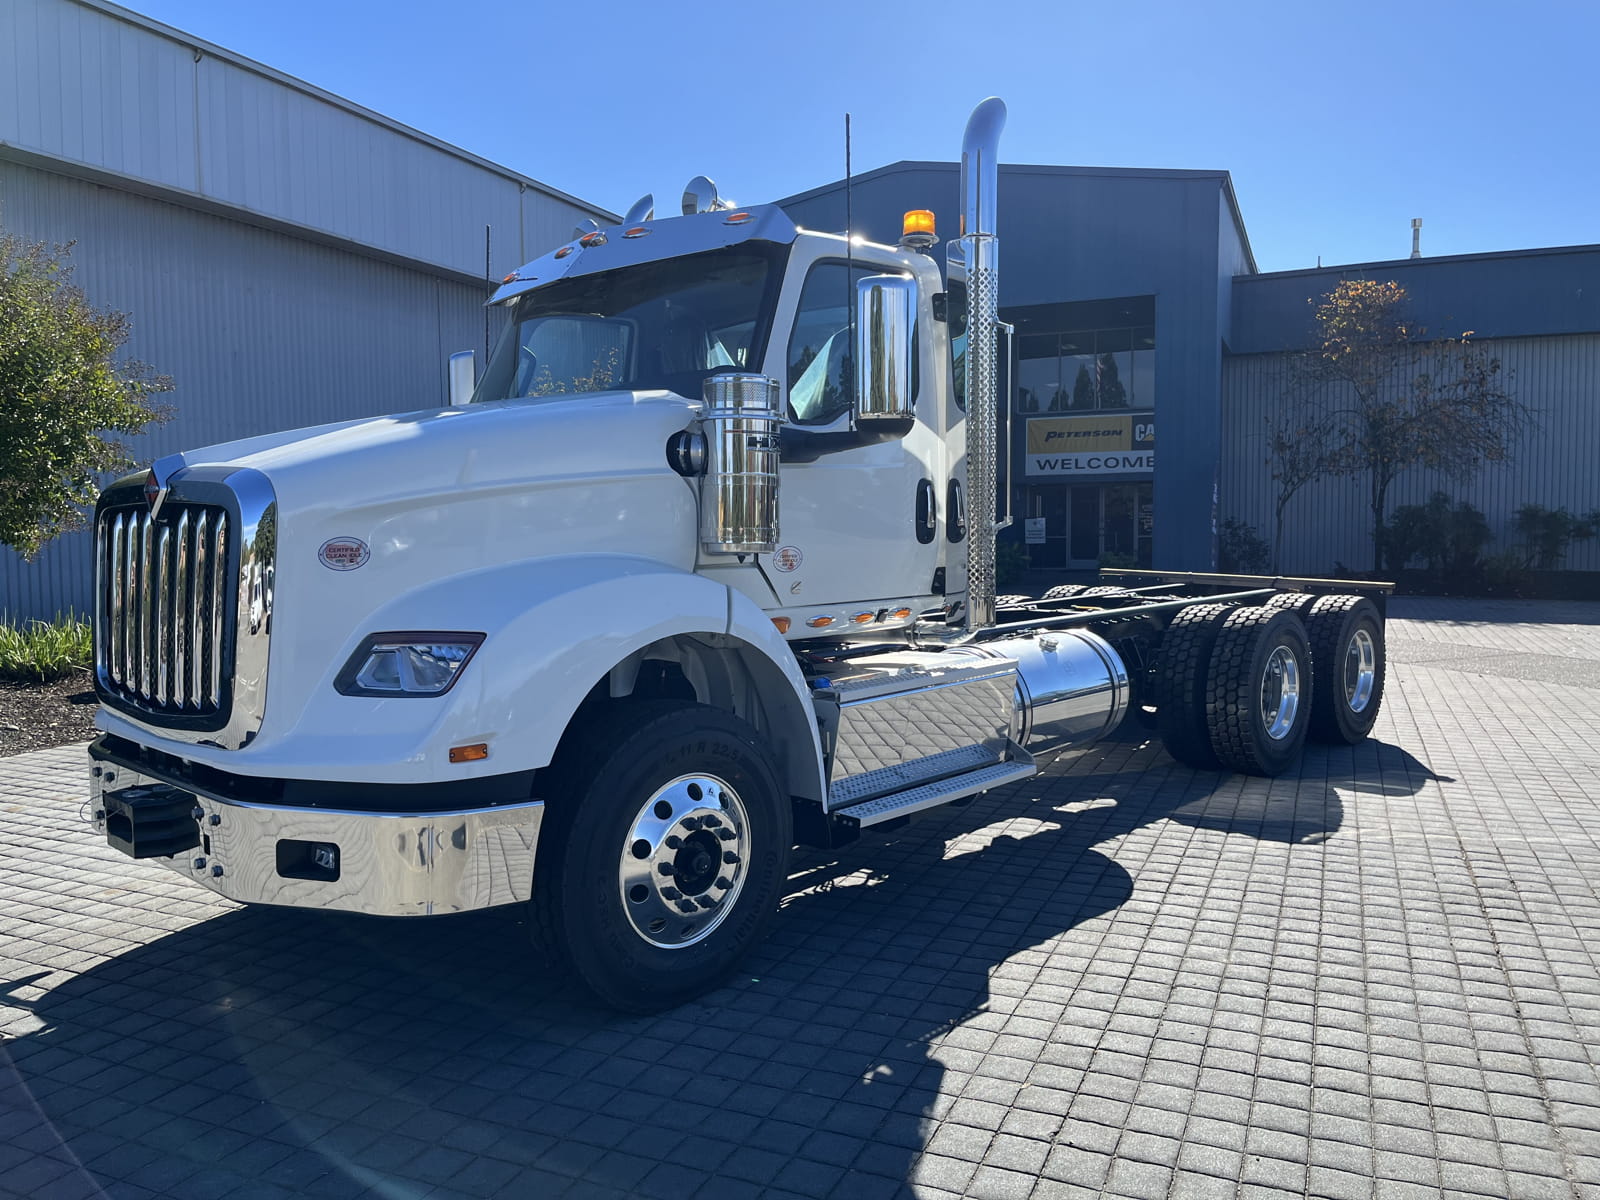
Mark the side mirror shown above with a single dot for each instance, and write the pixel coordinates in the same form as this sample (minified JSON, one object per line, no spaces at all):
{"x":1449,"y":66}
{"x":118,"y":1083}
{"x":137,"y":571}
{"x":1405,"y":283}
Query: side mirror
{"x":463,"y":373}
{"x":886,"y":313}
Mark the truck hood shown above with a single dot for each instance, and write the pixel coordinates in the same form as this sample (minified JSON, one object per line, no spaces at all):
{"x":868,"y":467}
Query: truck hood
{"x":382,"y":459}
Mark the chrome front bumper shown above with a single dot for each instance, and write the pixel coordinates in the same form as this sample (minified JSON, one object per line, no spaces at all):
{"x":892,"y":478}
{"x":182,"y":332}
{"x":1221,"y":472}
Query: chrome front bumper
{"x":386,"y":864}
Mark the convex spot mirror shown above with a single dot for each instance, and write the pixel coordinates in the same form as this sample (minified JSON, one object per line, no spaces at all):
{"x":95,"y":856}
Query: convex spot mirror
{"x":886,"y":312}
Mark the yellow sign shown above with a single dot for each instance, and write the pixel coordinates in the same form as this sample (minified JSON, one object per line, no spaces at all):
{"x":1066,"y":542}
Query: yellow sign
{"x":1105,"y":444}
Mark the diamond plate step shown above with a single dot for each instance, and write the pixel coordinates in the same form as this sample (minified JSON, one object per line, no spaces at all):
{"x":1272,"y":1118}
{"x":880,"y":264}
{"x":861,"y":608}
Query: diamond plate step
{"x":857,"y":789}
{"x":930,"y":795}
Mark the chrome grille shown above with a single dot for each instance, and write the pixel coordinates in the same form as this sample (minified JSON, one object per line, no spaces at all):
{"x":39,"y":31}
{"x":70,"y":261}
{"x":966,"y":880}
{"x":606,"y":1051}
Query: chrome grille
{"x":165,"y":604}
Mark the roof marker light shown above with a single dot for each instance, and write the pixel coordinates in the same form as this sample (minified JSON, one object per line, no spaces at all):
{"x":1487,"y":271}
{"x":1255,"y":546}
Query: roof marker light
{"x":636,"y":231}
{"x":564,"y":251}
{"x":597,"y":238}
{"x":738,"y":218}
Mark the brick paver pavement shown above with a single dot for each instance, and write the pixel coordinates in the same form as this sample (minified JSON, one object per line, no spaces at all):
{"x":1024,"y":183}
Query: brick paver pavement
{"x":1373,"y":978}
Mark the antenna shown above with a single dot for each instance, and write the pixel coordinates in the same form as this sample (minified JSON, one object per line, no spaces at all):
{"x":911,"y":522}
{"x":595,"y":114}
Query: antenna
{"x":849,"y":269}
{"x":489,"y":284}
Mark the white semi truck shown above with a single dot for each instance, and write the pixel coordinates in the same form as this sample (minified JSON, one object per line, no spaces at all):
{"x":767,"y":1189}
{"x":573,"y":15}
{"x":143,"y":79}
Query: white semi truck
{"x":699,"y":570}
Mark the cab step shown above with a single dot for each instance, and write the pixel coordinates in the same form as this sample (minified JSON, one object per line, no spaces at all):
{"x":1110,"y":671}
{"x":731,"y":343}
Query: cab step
{"x":911,"y":800}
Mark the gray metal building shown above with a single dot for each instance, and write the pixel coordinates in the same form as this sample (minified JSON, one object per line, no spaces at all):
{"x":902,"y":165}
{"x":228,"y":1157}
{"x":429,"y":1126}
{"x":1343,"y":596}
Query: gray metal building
{"x":1138,"y":305}
{"x":288,"y":257}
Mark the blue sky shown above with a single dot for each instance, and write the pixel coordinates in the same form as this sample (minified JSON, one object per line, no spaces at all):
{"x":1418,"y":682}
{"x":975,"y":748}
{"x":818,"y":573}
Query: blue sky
{"x":1340,"y":122}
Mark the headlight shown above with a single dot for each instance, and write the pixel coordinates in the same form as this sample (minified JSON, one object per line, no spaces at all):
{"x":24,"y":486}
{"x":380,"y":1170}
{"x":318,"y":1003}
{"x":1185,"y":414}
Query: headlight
{"x":407,"y":664}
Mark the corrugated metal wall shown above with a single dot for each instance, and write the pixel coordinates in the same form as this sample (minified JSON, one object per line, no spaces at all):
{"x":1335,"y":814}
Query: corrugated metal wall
{"x":112,"y":91}
{"x":1327,"y":522}
{"x":259,"y":330}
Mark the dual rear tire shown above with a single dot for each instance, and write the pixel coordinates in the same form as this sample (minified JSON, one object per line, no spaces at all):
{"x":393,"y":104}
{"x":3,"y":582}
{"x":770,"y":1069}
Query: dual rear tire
{"x":1243,"y":688}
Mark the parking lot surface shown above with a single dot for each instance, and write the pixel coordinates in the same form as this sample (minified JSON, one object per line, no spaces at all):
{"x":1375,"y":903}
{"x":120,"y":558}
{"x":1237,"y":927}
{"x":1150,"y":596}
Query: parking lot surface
{"x":1374,"y":977}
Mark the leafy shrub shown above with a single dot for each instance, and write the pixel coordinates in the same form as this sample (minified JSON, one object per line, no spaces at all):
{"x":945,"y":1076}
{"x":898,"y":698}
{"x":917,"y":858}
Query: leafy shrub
{"x":1010,"y":565}
{"x":1546,"y":534}
{"x":1446,"y":537}
{"x":44,"y":651}
{"x":1241,"y":550}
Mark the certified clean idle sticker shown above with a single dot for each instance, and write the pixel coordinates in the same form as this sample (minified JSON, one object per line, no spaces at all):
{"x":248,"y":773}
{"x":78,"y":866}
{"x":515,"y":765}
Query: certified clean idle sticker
{"x":787,"y":558}
{"x":344,"y":553}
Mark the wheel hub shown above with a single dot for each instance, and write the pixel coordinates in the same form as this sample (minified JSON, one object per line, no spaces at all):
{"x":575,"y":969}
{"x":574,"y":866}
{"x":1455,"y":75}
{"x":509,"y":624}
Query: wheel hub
{"x":1360,"y":670}
{"x":683,"y":861}
{"x":1280,"y":693}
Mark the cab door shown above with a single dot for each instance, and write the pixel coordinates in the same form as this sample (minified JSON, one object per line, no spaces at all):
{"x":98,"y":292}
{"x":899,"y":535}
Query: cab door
{"x":861,"y":514}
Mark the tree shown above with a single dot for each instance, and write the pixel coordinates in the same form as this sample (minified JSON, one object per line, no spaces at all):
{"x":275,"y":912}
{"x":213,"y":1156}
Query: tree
{"x":1083,"y":388}
{"x":62,"y":395}
{"x":1299,"y":440}
{"x":1393,"y":399}
{"x":1112,"y":393}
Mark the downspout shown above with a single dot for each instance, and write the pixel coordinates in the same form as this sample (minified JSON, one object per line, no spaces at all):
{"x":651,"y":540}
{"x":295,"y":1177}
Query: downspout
{"x":979,"y":250}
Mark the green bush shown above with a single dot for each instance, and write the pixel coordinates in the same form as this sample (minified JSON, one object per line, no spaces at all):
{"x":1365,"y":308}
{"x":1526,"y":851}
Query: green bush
{"x":1010,"y":565}
{"x":1546,"y":534}
{"x":44,"y":651}
{"x":1448,"y":538}
{"x":1241,"y":550}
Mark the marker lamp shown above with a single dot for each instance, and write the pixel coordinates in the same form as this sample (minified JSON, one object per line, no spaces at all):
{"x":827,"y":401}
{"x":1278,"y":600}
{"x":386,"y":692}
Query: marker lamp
{"x":407,"y":664}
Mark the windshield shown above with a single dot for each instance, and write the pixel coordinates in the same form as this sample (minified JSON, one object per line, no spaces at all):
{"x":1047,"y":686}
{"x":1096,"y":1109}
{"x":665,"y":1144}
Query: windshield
{"x":655,"y":325}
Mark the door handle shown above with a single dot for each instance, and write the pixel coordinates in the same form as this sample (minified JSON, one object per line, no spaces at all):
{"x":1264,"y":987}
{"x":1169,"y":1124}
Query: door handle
{"x":927,"y":512}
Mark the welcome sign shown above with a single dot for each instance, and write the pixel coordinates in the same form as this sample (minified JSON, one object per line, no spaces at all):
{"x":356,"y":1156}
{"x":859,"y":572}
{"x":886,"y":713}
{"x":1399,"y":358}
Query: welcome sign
{"x":1108,"y":444}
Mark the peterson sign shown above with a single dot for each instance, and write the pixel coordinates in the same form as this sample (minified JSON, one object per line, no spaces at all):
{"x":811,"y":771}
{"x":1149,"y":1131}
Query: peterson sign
{"x":1120,"y":444}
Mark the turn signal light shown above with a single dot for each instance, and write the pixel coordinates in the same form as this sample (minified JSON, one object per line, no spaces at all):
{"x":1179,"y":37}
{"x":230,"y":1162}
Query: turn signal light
{"x":863,"y":618}
{"x":782,"y":624}
{"x":819,"y":622}
{"x":918,"y":220}
{"x":900,"y":614}
{"x":473,"y":753}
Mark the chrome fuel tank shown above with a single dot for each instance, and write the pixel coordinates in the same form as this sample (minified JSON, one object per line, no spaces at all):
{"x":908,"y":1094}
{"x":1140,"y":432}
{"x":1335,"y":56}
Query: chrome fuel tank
{"x":1072,"y":687}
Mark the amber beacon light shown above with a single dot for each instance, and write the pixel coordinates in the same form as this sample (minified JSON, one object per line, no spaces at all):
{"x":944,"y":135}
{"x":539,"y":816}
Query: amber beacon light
{"x":917,"y":228}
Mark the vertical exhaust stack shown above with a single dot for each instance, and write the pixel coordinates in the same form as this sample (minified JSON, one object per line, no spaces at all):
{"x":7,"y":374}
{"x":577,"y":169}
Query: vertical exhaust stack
{"x":979,"y":251}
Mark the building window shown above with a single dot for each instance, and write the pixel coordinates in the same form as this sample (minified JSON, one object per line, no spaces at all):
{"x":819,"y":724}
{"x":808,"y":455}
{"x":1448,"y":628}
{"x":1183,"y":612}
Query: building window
{"x":1086,"y":369}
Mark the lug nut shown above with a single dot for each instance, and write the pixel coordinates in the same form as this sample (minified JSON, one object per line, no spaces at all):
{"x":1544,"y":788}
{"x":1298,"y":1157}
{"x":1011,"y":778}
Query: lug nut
{"x":726,"y":835}
{"x":667,"y":869}
{"x":707,"y":902}
{"x":670,"y":893}
{"x":673,"y":841}
{"x":711,"y":822}
{"x":724,"y":882}
{"x":729,"y":857}
{"x":686,"y":906}
{"x":690,"y":823}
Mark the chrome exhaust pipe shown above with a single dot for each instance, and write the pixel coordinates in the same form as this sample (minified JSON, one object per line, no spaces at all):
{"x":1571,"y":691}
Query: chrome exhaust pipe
{"x":978,"y":250}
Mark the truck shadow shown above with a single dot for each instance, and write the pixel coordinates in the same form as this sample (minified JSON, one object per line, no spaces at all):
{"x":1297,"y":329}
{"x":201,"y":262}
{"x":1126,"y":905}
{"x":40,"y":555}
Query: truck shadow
{"x":342,"y":1055}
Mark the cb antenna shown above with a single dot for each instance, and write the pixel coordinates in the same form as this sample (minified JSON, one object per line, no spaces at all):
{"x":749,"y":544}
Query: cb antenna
{"x":849,"y":270}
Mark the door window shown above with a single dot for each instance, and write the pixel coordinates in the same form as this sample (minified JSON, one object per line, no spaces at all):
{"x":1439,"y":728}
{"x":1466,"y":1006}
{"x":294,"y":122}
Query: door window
{"x":821,"y":366}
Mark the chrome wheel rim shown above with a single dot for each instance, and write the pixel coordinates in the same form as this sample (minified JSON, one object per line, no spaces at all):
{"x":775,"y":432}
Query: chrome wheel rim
{"x":682,"y":862}
{"x":1280,"y":692}
{"x":1360,"y":670}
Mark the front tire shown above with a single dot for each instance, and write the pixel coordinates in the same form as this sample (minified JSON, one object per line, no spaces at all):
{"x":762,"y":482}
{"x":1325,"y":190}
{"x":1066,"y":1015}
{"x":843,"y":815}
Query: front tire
{"x":664,"y":854}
